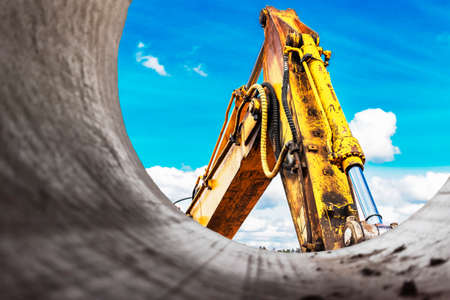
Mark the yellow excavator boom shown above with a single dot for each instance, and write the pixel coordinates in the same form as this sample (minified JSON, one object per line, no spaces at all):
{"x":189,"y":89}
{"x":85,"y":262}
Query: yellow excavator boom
{"x":291,"y":124}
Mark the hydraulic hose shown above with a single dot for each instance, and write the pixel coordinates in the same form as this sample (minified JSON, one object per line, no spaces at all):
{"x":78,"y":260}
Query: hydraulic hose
{"x":238,"y":117}
{"x":274,"y":115}
{"x":264,"y":114}
{"x":284,"y":91}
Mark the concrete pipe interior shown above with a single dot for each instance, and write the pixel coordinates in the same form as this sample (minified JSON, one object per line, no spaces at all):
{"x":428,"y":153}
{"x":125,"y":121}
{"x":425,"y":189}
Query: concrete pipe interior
{"x":81,"y":219}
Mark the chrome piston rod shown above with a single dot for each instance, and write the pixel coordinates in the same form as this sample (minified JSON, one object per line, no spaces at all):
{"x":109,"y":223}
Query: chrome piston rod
{"x":363,"y":196}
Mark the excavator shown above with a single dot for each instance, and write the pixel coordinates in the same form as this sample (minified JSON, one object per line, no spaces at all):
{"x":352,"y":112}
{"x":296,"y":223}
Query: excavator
{"x":291,"y":124}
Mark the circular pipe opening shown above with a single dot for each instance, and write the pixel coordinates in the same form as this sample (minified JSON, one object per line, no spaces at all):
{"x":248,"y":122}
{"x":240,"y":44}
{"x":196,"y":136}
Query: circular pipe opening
{"x":81,"y":219}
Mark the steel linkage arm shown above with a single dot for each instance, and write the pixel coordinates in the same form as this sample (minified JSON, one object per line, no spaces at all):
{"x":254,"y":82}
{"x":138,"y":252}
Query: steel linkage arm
{"x":235,"y":180}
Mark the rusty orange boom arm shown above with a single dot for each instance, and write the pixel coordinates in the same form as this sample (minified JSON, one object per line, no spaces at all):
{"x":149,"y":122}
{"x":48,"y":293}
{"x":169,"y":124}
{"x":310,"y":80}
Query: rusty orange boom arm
{"x":294,"y":124}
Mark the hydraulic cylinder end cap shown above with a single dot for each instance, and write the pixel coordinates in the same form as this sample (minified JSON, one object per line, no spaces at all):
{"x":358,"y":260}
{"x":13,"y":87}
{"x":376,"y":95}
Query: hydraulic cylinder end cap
{"x":347,"y":152}
{"x":352,"y":161}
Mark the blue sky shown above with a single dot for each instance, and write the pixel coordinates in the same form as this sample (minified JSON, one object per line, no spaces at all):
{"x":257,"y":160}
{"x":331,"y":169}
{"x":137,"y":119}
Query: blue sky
{"x":179,"y":61}
{"x":390,"y":55}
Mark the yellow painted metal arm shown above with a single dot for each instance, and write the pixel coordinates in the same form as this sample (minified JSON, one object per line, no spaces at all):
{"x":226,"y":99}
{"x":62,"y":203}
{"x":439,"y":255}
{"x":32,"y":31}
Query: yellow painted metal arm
{"x":236,"y":179}
{"x":318,"y":190}
{"x":318,"y":144}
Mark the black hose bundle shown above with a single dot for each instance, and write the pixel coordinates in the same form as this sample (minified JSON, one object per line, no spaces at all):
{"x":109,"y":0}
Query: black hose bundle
{"x":284,"y":91}
{"x":274,"y":117}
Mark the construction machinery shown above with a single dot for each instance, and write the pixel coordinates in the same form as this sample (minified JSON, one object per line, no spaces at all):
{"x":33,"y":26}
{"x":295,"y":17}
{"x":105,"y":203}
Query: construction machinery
{"x":291,"y":124}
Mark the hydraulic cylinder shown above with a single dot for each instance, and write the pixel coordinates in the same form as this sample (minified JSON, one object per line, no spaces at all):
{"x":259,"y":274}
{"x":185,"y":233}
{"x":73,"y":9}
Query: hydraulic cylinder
{"x":363,"y":196}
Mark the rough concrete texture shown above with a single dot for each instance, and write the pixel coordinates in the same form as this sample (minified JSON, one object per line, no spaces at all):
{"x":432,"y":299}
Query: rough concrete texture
{"x":81,"y":219}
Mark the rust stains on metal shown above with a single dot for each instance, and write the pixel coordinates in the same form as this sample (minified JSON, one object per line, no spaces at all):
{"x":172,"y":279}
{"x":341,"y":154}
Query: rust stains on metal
{"x":334,"y":198}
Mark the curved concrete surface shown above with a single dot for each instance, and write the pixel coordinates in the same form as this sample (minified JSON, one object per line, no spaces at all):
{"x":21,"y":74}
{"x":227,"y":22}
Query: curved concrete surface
{"x":81,"y":219}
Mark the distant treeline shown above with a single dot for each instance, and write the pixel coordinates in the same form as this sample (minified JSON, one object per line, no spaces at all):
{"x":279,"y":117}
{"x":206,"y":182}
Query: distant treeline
{"x":282,"y":250}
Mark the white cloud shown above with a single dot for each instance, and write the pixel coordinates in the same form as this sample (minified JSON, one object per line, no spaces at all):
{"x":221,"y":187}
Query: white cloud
{"x":398,"y":198}
{"x":175,"y":183}
{"x":269,"y":227}
{"x":151,"y":62}
{"x":270,"y":224}
{"x":141,"y":45}
{"x":374,"y":129}
{"x":199,"y":71}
